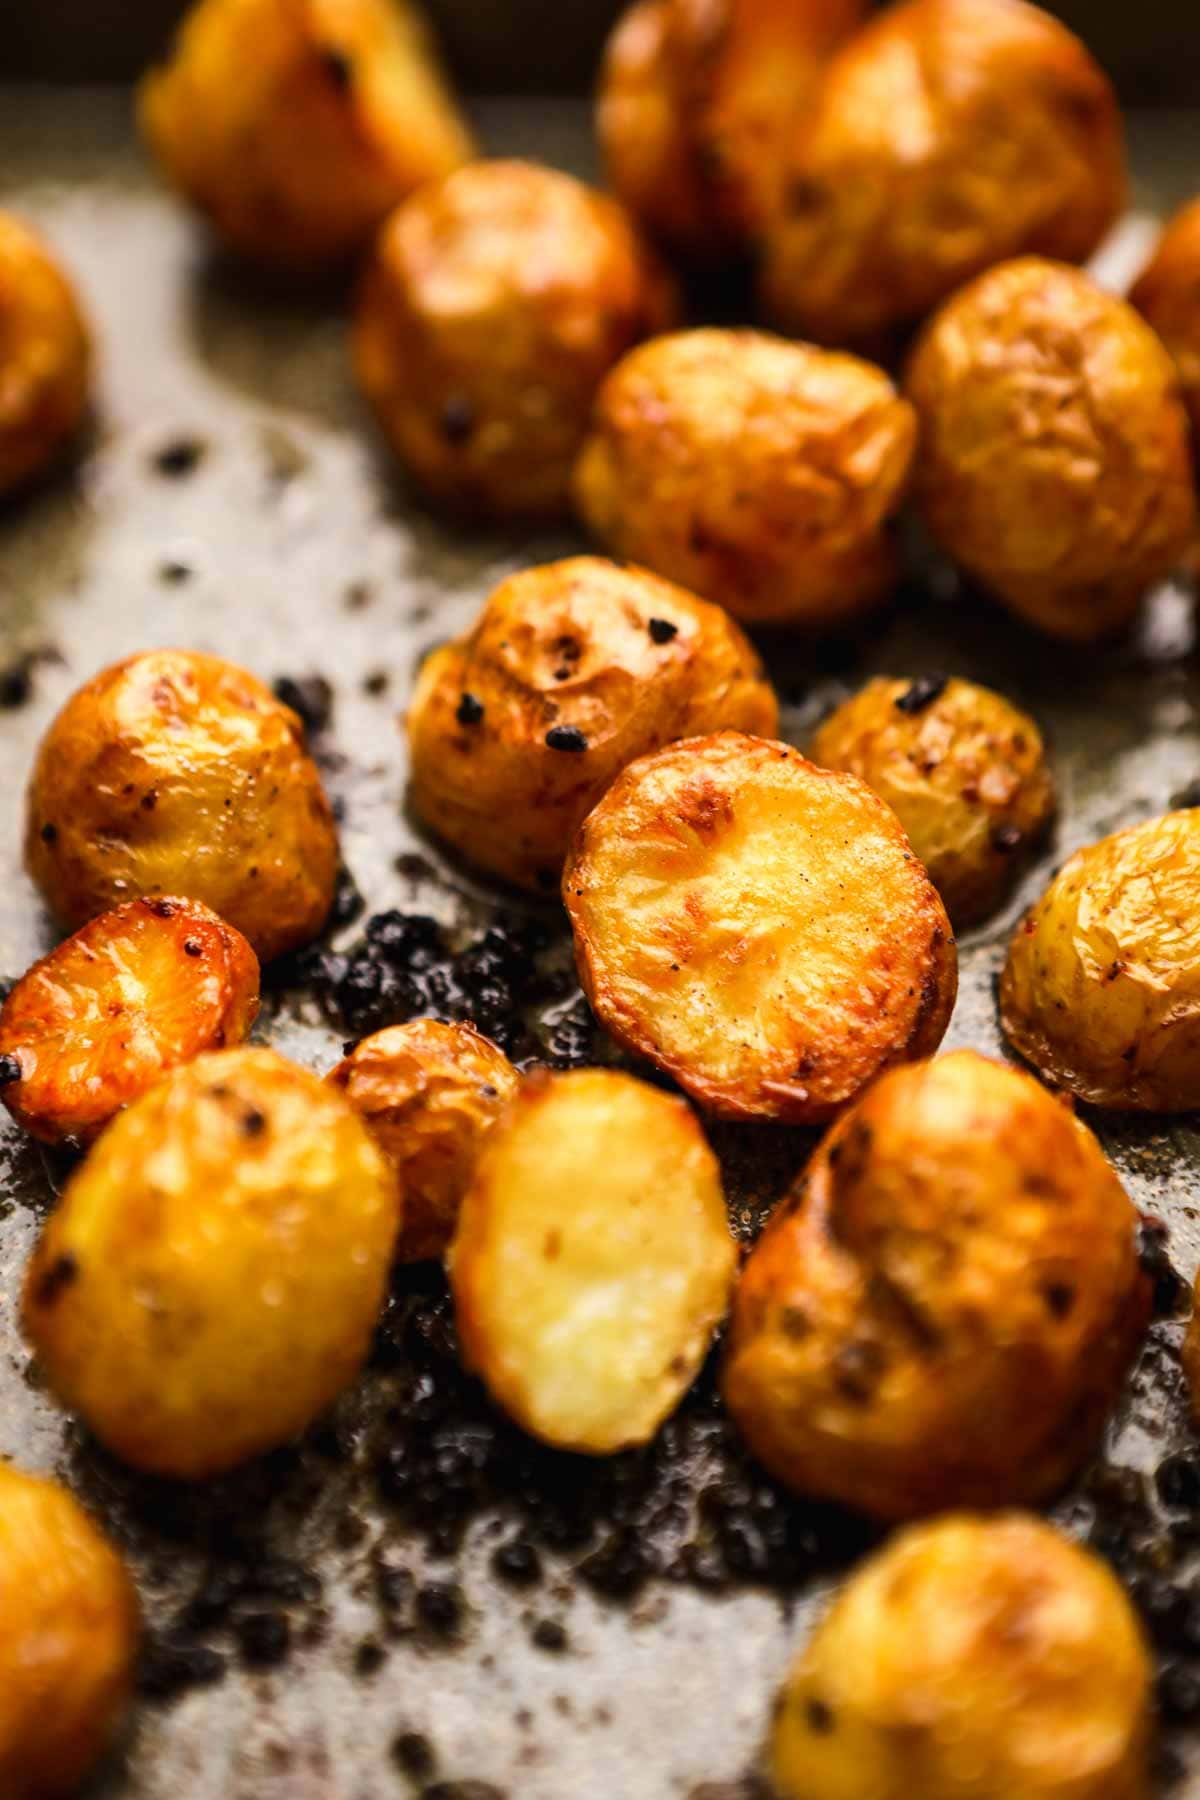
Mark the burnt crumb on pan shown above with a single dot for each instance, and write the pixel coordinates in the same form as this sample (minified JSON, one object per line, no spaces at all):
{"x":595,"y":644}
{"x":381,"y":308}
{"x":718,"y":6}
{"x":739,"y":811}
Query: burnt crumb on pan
{"x":566,"y":737}
{"x":662,"y":630}
{"x":10,"y":1070}
{"x":171,"y":1666}
{"x":441,"y":1608}
{"x":549,"y":1635}
{"x":921,"y":693}
{"x":264,"y":1638}
{"x":1186,"y":797}
{"x":179,"y":456}
{"x":458,"y":419}
{"x":310,"y":696}
{"x":376,"y":682}
{"x":348,"y":903}
{"x":469,"y":710}
{"x":750,"y":1787}
{"x":1177,"y":1480}
{"x":518,"y":1563}
{"x":358,"y":596}
{"x":174,"y":571}
{"x":463,"y":1790}
{"x":413,"y":1754}
{"x":369,"y":1658}
{"x":1170,"y":1291}
{"x":61,"y":1274}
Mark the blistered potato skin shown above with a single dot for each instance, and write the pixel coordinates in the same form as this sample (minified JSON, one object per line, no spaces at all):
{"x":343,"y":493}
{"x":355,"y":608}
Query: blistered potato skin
{"x":757,"y":927}
{"x":943,"y":1310}
{"x":971,"y":1658}
{"x":176,"y":773}
{"x":211,"y":1277}
{"x":625,"y":659}
{"x":965,"y":774}
{"x":946,"y":136}
{"x":1055,"y":464}
{"x":1167,"y":294}
{"x":45,"y":357}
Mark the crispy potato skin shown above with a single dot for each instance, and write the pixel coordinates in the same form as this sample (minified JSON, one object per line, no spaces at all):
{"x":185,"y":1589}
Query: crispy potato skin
{"x":428,"y":1093}
{"x":101,"y":1018}
{"x":177,"y":773}
{"x":761,"y":474}
{"x":210,"y":1279}
{"x":945,"y":136}
{"x":494,"y":304}
{"x":757,"y":927}
{"x":45,"y":357}
{"x":1055,"y":464}
{"x":943,"y":1310}
{"x":620,"y":656}
{"x":297,"y":151}
{"x":971,"y":1658}
{"x":593,"y":1259}
{"x":1167,"y":294}
{"x":965,"y":774}
{"x":68,"y":1638}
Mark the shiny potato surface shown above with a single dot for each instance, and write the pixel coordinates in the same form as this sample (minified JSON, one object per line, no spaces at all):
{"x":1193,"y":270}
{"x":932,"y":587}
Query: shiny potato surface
{"x":964,"y":771}
{"x":296,"y":126}
{"x":428,"y":1093}
{"x":946,"y":136}
{"x":45,"y":356}
{"x":494,"y":304}
{"x":68,"y":1639}
{"x":211,"y":1276}
{"x":1167,"y":294}
{"x":100,"y":1019}
{"x":757,"y":927}
{"x":593,"y":1258}
{"x":176,"y":773}
{"x":971,"y":1659}
{"x":943,"y":1310}
{"x":570,"y":672}
{"x":761,"y":474}
{"x":1055,"y":465}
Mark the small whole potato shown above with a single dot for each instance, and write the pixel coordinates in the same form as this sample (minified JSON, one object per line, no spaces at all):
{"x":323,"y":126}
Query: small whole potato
{"x":570,"y":671}
{"x":296,"y":126}
{"x":758,"y":928}
{"x":943,"y":1310}
{"x":963,"y":770}
{"x":593,"y":1258}
{"x":45,"y":357}
{"x":68,"y":1639}
{"x":1055,"y":463}
{"x":944,"y":137}
{"x":971,"y":1659}
{"x":211,"y":1277}
{"x":1167,"y":294}
{"x":494,"y":304}
{"x":176,"y":773}
{"x":105,"y":1015}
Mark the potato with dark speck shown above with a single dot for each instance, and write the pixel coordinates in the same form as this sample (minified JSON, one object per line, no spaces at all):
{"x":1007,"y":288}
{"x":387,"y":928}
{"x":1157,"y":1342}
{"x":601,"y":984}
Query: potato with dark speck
{"x":45,"y":357}
{"x":1167,"y":294}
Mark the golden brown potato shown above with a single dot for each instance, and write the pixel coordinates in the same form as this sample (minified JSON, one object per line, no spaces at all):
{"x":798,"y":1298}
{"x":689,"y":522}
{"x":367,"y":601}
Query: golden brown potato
{"x":760,"y":473}
{"x":943,"y":1310}
{"x":1167,"y":294}
{"x":296,"y":126}
{"x":946,"y":136}
{"x":68,"y":1637}
{"x":177,"y":773}
{"x":758,"y":928}
{"x":45,"y":357}
{"x":1054,"y":465}
{"x":570,"y":672}
{"x":493,"y":306}
{"x":971,"y":1659}
{"x":210,"y":1279}
{"x":102,"y":1018}
{"x":593,"y":1258}
{"x":429,"y":1094}
{"x":964,"y":772}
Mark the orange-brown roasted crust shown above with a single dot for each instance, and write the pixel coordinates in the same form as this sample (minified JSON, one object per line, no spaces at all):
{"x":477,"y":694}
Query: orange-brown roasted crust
{"x":45,"y":356}
{"x":1167,"y":294}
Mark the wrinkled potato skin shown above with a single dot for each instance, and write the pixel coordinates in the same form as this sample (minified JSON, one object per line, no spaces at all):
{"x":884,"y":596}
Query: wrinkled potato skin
{"x":494,"y":304}
{"x":970,"y":1659}
{"x":1055,"y":462}
{"x":759,"y":473}
{"x":428,"y":1093}
{"x":966,"y":776}
{"x":297,"y":125}
{"x":177,"y":773}
{"x":68,"y":1639}
{"x":946,"y":136}
{"x":1167,"y":294}
{"x":943,"y":1310}
{"x":106,"y":1014}
{"x":568,"y":644}
{"x":212,"y":1274}
{"x":45,"y":357}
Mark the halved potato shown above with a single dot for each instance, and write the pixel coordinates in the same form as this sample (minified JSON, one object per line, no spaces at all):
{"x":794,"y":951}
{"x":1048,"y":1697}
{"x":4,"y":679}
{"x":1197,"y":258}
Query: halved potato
{"x":45,"y":356}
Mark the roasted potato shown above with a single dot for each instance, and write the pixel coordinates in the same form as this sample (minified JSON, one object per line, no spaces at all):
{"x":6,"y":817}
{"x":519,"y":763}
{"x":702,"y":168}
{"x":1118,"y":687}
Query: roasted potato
{"x":493,"y":306}
{"x":45,"y":357}
{"x":429,"y":1094}
{"x":570,"y":672}
{"x":758,"y":928}
{"x":296,"y":126}
{"x":210,"y":1279}
{"x":593,"y":1258}
{"x":760,"y":473}
{"x":177,"y":773}
{"x":946,"y":136}
{"x":1167,"y":294}
{"x":971,"y":1659}
{"x":68,"y":1638}
{"x":1055,"y":465}
{"x":963,"y":770}
{"x":943,"y":1310}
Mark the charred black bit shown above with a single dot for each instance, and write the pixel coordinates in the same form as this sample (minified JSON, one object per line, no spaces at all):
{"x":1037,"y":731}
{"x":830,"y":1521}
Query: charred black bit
{"x":338,"y":67}
{"x":1006,"y":839}
{"x":309,"y":695}
{"x":1178,"y":1481}
{"x":414,"y":1755}
{"x":170,"y":1666}
{"x":1059,"y":1297}
{"x":458,"y":419}
{"x":662,"y":630}
{"x":16,"y":683}
{"x":376,"y":683}
{"x":566,"y":737}
{"x":254,"y":1123}
{"x":10,"y":1070}
{"x":518,"y":1562}
{"x":348,"y":903}
{"x":549,"y":1635}
{"x":63,"y":1271}
{"x":193,"y":947}
{"x":369,"y":1658}
{"x":180,"y":457}
{"x":440,"y":1607}
{"x":1171,"y":1292}
{"x":162,"y":909}
{"x":49,"y":834}
{"x":470,"y":710}
{"x":462,"y":1790}
{"x":921,"y":693}
{"x":174,"y":572}
{"x":819,"y":1716}
{"x":264,"y":1638}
